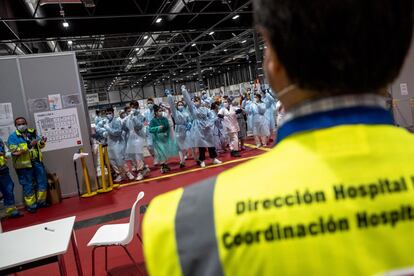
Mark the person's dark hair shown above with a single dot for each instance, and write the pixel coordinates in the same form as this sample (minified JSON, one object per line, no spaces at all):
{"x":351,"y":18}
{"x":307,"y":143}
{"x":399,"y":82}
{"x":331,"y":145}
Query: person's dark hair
{"x":110,"y":109}
{"x":19,"y":118}
{"x":126,"y":108}
{"x":150,"y":100}
{"x":180,"y":102}
{"x":134,"y":104}
{"x":197,"y":99}
{"x":258,"y":96}
{"x":156,"y":108}
{"x":338,"y":46}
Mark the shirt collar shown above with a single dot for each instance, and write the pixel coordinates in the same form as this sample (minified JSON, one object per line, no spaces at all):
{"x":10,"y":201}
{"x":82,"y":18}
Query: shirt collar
{"x":334,"y":103}
{"x":331,"y":112}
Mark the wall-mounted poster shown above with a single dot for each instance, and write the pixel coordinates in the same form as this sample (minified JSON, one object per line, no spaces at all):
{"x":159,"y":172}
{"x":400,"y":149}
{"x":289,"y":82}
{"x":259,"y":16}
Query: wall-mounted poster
{"x":70,"y":100}
{"x":38,"y":105}
{"x":6,"y":121}
{"x":55,"y":102}
{"x":60,"y":127}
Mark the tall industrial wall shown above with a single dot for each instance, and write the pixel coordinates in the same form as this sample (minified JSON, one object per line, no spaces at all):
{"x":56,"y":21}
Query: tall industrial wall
{"x":37,"y":76}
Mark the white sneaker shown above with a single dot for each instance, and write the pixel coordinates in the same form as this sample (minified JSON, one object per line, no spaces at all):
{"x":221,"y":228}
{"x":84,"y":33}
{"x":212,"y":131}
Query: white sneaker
{"x":118,"y":179}
{"x":202,"y":164}
{"x":216,"y":161}
{"x":130,"y":176}
{"x":139,"y":177}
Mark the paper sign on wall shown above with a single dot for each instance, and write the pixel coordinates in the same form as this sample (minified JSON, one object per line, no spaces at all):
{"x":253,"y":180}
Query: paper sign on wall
{"x":70,"y":100}
{"x":6,"y":120}
{"x":55,"y":101}
{"x":61,"y":127}
{"x":92,"y":99}
{"x":404,"y":89}
{"x":38,"y":105}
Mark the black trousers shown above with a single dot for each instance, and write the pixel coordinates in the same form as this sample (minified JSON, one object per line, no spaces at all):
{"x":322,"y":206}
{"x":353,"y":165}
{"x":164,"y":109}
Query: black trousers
{"x":202,"y":153}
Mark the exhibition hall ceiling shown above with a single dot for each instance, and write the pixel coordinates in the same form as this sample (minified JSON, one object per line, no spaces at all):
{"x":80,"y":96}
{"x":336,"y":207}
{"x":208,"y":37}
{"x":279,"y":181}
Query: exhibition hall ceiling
{"x":132,"y":43}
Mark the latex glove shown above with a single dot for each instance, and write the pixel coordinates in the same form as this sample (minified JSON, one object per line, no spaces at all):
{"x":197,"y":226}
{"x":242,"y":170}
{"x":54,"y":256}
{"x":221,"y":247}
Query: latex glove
{"x":167,"y":92}
{"x":188,"y":126}
{"x":183,"y":87}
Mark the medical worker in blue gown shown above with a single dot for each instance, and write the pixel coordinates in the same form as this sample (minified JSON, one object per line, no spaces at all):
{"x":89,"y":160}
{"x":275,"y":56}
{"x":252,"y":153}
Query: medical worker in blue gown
{"x":270,"y":102}
{"x":182,"y":129}
{"x":201,"y":133}
{"x":149,"y":115}
{"x":260,"y":126}
{"x":113,"y":131}
{"x":136,"y":138}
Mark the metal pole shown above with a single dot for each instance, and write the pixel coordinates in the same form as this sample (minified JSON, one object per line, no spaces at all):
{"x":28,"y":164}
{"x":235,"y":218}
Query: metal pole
{"x":259,"y":58}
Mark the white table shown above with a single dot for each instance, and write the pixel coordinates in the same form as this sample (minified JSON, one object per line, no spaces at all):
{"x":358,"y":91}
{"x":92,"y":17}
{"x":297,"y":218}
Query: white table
{"x":38,"y":245}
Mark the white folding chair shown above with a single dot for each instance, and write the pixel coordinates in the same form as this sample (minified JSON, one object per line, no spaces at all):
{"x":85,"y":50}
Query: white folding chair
{"x":116,"y":235}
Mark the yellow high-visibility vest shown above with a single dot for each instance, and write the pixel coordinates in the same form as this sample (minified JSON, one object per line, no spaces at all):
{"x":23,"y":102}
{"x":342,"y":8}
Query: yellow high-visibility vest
{"x":336,"y":201}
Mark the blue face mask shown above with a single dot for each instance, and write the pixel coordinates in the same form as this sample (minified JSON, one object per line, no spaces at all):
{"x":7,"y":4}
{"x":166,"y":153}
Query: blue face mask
{"x":180,"y":108}
{"x":150,"y":106}
{"x":110,"y":116}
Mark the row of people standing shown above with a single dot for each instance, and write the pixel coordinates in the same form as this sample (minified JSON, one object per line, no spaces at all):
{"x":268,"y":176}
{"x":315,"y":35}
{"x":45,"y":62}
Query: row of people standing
{"x":190,"y":126}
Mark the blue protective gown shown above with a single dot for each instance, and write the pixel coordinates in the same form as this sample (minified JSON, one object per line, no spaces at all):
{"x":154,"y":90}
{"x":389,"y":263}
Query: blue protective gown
{"x":249,"y":115}
{"x":149,"y":115}
{"x":114,"y":132}
{"x":260,"y":125}
{"x":202,"y":129}
{"x":135,"y":125}
{"x":270,"y":103}
{"x":182,"y":125}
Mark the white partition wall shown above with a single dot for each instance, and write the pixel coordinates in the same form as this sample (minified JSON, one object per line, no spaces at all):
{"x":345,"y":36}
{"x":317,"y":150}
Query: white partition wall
{"x":25,"y":79}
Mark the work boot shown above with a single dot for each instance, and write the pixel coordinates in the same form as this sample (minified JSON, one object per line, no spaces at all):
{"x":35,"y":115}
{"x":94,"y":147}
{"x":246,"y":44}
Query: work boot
{"x":42,"y":204}
{"x":12,"y":212}
{"x":31,"y":209}
{"x":182,"y":165}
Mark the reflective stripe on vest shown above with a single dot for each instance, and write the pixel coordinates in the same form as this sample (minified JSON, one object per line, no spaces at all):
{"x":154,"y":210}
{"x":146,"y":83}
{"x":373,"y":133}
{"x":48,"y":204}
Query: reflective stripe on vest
{"x":195,"y":231}
{"x":21,"y":161}
{"x":2,"y":161}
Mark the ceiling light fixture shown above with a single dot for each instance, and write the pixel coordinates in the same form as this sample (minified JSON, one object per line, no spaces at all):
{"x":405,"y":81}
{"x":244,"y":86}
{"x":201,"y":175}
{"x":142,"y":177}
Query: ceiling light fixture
{"x":193,"y":45}
{"x":70,"y":42}
{"x":244,"y":41}
{"x":211,"y":33}
{"x":65,"y":24}
{"x":146,"y":37}
{"x":235,"y":17}
{"x":158,"y":20}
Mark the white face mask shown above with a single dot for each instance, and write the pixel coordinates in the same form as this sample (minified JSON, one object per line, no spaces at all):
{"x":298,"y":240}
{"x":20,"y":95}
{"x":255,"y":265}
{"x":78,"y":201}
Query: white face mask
{"x":110,"y":116}
{"x":226,"y":105}
{"x":22,"y":128}
{"x":150,"y":106}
